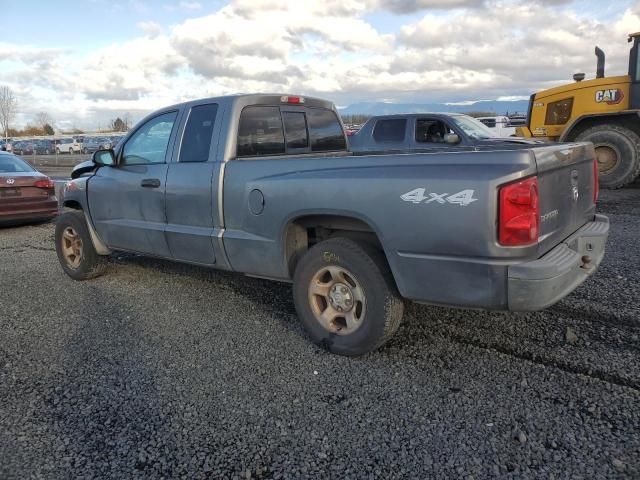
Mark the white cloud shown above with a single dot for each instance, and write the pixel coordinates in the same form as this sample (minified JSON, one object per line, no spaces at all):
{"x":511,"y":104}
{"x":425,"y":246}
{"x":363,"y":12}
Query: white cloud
{"x":501,"y":49}
{"x":410,"y":6}
{"x":191,"y":5}
{"x":151,"y":29}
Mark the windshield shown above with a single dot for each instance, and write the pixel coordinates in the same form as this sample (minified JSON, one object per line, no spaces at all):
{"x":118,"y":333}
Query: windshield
{"x":473,"y":128}
{"x":12,"y":164}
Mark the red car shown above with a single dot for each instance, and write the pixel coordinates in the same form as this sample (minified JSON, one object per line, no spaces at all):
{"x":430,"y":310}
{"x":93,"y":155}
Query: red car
{"x":25,"y":193}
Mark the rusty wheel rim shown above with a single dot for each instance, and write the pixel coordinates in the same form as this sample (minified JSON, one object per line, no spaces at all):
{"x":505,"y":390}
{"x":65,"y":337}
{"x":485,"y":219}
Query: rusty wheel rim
{"x":71,"y":247}
{"x":607,"y":158}
{"x":337,"y":300}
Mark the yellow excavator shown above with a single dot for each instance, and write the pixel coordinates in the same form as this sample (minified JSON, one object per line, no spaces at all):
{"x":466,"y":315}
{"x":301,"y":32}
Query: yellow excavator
{"x":603,"y":110}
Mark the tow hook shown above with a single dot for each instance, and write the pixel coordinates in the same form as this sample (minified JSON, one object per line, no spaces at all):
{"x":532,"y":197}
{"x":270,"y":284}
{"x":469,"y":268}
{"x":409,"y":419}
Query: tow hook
{"x":586,"y":262}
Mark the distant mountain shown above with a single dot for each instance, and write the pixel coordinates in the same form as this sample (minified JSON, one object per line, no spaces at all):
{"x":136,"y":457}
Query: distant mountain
{"x":382,"y":108}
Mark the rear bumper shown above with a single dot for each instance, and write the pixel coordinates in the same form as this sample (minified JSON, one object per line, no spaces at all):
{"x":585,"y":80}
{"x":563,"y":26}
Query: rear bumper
{"x":42,"y":210}
{"x":31,"y":217}
{"x":540,"y":283}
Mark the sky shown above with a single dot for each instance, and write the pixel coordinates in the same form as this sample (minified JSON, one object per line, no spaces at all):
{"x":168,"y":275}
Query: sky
{"x":86,"y":62}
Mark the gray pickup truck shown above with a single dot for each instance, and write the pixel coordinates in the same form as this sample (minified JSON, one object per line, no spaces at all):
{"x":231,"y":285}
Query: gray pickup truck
{"x":265,"y":185}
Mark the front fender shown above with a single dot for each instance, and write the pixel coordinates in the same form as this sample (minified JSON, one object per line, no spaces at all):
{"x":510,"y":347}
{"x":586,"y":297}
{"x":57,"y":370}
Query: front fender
{"x":83,"y":167}
{"x":74,"y":196}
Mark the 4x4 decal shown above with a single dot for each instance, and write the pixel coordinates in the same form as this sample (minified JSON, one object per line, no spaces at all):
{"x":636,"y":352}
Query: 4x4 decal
{"x":417,"y":195}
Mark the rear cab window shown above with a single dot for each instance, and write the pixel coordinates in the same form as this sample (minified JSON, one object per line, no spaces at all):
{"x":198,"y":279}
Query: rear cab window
{"x":295,"y":128}
{"x":260,"y":132}
{"x":327,"y":134}
{"x":278,"y":130}
{"x":390,"y":130}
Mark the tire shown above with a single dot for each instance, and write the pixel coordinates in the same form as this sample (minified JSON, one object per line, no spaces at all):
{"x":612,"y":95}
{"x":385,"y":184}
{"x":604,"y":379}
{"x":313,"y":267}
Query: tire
{"x":87,"y":263}
{"x":618,"y":151}
{"x":374,"y":304}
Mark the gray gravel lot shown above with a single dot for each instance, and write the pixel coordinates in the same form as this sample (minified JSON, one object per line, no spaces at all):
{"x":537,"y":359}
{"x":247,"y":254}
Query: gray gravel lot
{"x":162,"y":370}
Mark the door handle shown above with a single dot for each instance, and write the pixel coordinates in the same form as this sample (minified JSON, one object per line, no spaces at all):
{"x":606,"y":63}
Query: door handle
{"x":150,"y":183}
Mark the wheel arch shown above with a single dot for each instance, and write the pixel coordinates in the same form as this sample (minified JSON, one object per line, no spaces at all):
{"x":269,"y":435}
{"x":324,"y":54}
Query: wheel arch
{"x":303,"y":230}
{"x":76,"y":207}
{"x":628,"y":119}
{"x":72,"y":204}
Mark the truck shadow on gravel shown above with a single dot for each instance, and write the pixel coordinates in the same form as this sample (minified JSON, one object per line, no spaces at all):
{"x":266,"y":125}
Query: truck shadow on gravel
{"x":538,"y":337}
{"x":625,"y":201}
{"x":105,"y":412}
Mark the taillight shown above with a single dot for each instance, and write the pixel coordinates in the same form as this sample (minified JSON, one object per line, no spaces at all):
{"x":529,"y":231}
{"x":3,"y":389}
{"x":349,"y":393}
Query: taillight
{"x":519,"y":213}
{"x":44,"y":183}
{"x":596,"y":186}
{"x":293,"y":100}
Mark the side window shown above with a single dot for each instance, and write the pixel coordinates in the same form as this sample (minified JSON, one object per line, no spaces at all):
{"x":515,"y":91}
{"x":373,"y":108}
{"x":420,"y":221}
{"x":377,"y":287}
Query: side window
{"x":196,"y":140}
{"x":431,"y":130}
{"x":149,"y":143}
{"x":325,"y":131}
{"x":295,"y":129}
{"x":260,"y":132}
{"x":559,"y":113}
{"x":391,"y":130}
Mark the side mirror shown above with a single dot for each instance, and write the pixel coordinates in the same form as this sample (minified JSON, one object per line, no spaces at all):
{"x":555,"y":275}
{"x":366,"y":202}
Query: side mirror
{"x":104,"y":158}
{"x":452,"y":138}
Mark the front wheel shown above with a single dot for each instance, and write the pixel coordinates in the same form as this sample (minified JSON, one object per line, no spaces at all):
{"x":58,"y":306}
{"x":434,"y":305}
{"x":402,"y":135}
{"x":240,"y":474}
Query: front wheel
{"x":346,"y":297}
{"x":75,"y":249}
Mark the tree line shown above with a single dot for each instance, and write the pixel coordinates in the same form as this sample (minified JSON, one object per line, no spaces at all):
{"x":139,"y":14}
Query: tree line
{"x":42,"y":123}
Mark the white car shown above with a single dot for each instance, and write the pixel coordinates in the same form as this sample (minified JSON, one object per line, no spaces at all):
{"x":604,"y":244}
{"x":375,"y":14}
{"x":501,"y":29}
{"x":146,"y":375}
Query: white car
{"x":68,"y":145}
{"x":500,"y":125}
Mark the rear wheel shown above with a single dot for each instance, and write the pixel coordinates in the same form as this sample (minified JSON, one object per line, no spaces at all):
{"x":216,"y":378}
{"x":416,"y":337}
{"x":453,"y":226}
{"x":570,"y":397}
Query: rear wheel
{"x":346,"y":298}
{"x":75,"y":249}
{"x":617,"y":151}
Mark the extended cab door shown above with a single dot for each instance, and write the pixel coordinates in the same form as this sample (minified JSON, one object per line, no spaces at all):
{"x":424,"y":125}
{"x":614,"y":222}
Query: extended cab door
{"x":192,"y":188}
{"x":126,"y":202}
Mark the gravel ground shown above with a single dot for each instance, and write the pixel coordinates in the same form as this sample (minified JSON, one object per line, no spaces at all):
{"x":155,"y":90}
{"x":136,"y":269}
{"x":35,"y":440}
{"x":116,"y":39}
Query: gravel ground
{"x":162,"y":370}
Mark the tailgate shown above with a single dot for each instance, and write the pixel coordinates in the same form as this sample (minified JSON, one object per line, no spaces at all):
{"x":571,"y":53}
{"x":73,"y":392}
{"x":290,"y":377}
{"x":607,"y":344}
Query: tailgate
{"x":566,"y":187}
